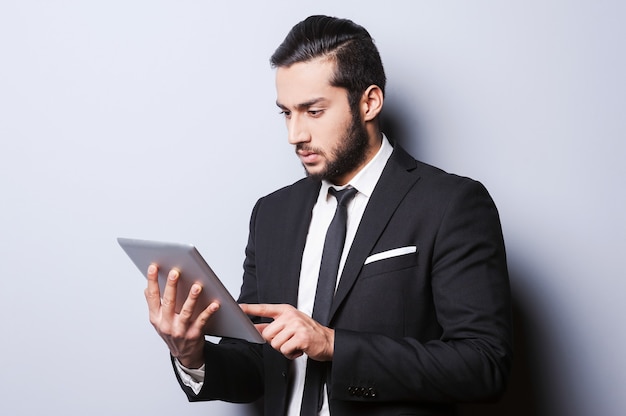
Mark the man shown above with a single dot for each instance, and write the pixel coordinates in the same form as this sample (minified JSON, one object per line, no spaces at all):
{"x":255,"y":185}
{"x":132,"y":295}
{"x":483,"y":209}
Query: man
{"x":420,"y":316}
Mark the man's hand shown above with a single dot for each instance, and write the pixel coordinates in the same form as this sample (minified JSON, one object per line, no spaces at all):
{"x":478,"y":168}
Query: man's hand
{"x":184,"y":337}
{"x":292,"y":332}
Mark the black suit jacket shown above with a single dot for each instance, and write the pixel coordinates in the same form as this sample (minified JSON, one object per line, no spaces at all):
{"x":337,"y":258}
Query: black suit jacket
{"x":415,"y":333}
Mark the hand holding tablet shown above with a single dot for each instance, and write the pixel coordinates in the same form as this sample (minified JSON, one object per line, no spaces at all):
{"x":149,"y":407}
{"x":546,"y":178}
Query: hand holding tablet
{"x":229,"y":320}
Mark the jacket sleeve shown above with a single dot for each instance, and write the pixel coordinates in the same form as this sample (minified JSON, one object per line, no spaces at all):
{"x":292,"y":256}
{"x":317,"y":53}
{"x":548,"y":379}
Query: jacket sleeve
{"x":471,"y":356}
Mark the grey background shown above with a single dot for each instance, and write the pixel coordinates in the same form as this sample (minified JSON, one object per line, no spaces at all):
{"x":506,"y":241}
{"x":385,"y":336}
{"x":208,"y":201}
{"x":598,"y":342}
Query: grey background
{"x":156,"y":119}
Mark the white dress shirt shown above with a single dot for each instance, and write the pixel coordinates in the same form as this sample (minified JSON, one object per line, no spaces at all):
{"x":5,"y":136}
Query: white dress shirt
{"x":323,"y":212}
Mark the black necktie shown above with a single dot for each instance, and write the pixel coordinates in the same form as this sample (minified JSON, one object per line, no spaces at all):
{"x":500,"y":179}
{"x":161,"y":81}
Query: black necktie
{"x":312,"y":399}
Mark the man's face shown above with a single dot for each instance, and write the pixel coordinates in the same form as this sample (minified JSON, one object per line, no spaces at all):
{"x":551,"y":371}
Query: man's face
{"x":331,"y":143}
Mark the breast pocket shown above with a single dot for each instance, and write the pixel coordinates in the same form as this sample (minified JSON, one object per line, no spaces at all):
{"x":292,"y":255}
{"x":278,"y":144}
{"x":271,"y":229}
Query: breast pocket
{"x":384,"y":293}
{"x":389,"y":261}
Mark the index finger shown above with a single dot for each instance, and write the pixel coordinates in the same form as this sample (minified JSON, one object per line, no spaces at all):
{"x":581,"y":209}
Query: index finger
{"x":264,"y":310}
{"x":153,"y":293}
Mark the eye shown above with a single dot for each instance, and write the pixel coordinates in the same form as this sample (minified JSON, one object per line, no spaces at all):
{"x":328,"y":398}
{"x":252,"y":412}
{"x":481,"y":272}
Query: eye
{"x":315,"y":113}
{"x":285,"y":113}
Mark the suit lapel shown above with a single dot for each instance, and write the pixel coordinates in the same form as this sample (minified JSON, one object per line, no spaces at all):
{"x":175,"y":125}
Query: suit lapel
{"x":397,"y":179}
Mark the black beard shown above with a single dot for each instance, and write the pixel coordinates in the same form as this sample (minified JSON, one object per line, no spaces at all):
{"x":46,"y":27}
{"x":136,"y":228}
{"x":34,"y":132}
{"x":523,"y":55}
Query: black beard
{"x":349,"y":155}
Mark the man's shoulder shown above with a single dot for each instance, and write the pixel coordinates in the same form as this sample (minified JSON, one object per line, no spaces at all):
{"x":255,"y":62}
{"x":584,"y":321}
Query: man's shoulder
{"x":439,"y":175}
{"x":298,"y":192}
{"x":427,"y":173}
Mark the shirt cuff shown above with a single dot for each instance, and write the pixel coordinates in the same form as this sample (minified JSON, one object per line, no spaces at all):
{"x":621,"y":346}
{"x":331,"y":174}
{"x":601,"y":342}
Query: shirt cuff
{"x":192,"y":378}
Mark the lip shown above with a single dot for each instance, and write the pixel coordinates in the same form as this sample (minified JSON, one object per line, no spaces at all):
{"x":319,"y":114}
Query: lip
{"x":308,"y":157}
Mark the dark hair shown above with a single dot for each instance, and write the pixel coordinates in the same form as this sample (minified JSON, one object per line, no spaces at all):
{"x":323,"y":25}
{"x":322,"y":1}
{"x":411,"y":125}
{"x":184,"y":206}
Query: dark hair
{"x":358,"y":63}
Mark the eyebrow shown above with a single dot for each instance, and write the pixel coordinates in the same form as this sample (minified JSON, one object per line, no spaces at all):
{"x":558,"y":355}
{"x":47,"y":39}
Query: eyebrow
{"x":304,"y":105}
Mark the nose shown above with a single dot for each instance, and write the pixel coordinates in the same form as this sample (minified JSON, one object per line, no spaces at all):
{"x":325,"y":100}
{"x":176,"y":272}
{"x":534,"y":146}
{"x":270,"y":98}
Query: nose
{"x":297,"y":130}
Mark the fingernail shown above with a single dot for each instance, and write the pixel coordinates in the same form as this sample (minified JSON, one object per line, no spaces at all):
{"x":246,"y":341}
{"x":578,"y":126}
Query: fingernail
{"x":152,"y":269}
{"x":173,"y":275}
{"x":195,"y":289}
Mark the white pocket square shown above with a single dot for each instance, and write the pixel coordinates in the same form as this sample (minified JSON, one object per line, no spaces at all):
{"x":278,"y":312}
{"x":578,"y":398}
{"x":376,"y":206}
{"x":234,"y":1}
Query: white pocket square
{"x":390,"y":253}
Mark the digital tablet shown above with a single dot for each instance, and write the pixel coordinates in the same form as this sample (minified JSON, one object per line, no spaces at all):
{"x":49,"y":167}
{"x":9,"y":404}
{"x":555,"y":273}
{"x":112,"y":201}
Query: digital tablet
{"x":229,"y":320}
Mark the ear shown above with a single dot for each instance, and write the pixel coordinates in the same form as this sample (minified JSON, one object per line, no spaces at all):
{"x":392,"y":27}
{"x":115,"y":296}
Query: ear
{"x":371,"y":103}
